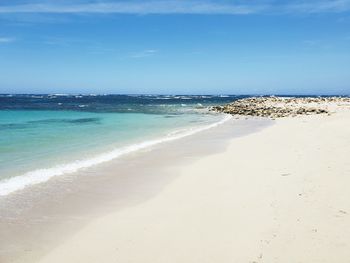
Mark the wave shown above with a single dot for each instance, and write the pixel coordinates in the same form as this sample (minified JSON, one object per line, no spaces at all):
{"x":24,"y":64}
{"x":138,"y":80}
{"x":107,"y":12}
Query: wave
{"x":10,"y":185}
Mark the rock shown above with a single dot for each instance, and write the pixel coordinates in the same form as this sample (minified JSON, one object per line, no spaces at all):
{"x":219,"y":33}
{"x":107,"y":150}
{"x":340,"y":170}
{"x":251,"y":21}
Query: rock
{"x":279,"y":107}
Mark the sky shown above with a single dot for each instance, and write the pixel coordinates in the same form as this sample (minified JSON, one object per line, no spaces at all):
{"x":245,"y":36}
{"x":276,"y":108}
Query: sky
{"x":175,"y":46}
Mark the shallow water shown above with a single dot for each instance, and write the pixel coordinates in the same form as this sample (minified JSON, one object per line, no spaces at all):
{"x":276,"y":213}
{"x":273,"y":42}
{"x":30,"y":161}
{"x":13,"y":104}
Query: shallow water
{"x":47,"y":135}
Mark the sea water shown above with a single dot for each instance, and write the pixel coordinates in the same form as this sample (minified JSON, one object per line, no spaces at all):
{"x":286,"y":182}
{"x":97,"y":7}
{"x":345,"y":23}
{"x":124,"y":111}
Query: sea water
{"x":42,"y":136}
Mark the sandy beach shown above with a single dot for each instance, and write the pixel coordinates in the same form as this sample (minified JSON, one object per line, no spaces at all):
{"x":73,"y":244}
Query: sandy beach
{"x":174,"y":131}
{"x":276,"y":195}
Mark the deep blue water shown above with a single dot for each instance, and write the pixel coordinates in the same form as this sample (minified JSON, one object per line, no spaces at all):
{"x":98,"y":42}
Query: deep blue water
{"x":152,"y":104}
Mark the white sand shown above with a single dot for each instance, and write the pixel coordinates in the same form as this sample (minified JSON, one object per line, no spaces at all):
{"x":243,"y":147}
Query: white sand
{"x":279,"y":195}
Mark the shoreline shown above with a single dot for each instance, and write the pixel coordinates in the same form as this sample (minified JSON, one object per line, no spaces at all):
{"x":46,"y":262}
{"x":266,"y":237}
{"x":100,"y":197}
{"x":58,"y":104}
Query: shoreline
{"x":63,"y":205}
{"x":42,"y":175}
{"x":250,"y":190}
{"x":278,"y":195}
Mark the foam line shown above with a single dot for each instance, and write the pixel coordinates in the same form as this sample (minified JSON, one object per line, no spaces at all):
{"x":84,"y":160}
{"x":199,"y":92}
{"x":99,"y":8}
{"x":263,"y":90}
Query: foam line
{"x":20,"y":182}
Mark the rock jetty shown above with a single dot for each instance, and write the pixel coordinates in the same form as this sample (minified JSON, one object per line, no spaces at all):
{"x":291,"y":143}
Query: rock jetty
{"x":280,"y":107}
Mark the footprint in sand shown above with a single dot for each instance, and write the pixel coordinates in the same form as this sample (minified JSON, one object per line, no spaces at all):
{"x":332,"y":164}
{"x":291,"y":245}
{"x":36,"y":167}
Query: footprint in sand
{"x":285,"y":174}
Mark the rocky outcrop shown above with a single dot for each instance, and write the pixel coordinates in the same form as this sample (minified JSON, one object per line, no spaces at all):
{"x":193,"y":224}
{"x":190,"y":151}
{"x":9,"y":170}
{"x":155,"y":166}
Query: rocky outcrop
{"x":279,"y":107}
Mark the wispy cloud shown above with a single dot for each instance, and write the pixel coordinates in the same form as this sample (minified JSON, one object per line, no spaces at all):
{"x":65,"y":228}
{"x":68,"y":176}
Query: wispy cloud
{"x":243,"y":7}
{"x":144,"y":53}
{"x":310,"y":43}
{"x":319,"y":6}
{"x":64,"y":41}
{"x":135,"y":7}
{"x":317,"y":44}
{"x":6,"y":40}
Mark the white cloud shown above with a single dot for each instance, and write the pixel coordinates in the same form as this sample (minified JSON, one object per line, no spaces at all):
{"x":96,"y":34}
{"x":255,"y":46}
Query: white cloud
{"x":310,"y":42}
{"x":320,"y":6}
{"x":144,"y":53}
{"x":136,"y":7}
{"x":242,"y":7}
{"x":6,"y":40}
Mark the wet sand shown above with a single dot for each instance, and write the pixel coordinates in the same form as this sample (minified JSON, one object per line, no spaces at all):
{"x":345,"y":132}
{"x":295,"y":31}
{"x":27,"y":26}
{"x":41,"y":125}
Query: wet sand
{"x":278,"y":195}
{"x":36,"y":220}
{"x":251,"y":190}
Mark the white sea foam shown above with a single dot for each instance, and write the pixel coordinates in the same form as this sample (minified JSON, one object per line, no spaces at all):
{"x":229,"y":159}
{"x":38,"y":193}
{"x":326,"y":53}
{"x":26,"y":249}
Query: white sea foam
{"x":13,"y":184}
{"x":61,"y":94}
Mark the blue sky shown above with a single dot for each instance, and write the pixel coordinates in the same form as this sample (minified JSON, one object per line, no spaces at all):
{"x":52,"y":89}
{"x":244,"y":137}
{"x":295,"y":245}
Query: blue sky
{"x":197,"y":47}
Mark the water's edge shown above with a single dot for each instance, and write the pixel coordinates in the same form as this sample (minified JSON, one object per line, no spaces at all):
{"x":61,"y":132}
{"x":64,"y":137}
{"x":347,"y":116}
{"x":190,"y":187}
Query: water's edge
{"x":47,"y":214}
{"x":14,"y":184}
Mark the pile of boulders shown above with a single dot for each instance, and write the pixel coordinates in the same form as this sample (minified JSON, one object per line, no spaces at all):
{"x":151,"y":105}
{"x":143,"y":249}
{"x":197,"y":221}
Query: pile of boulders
{"x":279,"y":107}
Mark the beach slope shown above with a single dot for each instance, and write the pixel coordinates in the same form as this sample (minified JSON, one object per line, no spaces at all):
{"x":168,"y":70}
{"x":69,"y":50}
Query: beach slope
{"x":279,"y":195}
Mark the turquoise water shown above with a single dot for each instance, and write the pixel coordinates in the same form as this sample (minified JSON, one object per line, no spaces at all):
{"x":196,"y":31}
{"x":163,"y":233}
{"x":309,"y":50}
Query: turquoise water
{"x":42,"y":136}
{"x":37,"y":139}
{"x":37,"y":144}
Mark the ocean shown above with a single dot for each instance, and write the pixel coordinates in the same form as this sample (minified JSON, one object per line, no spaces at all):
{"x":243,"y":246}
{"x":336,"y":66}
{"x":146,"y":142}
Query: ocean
{"x":42,"y":136}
